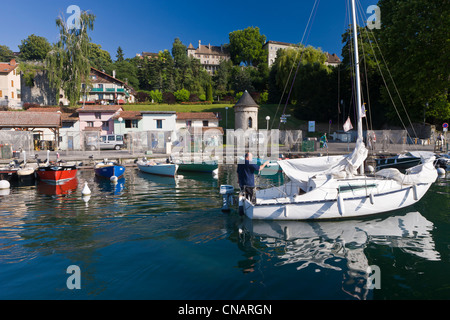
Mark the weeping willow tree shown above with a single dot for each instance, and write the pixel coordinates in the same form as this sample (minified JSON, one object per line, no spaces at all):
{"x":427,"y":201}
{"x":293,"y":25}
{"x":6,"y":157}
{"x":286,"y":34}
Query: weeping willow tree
{"x":68,"y":62}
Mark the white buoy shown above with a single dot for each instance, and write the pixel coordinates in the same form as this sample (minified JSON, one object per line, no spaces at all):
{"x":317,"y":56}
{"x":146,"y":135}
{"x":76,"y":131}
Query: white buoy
{"x":86,"y":191}
{"x":113,"y":179}
{"x":441,"y":171}
{"x":370,"y":169}
{"x":4,"y":184}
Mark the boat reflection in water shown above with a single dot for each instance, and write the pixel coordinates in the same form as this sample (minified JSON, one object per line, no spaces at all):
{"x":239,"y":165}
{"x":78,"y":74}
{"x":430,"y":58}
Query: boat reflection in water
{"x":106,"y":185}
{"x":324,"y":243}
{"x":58,"y":189}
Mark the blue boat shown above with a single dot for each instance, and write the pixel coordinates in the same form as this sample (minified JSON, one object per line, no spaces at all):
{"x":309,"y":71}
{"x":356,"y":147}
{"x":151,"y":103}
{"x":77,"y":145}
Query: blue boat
{"x":108,"y":169}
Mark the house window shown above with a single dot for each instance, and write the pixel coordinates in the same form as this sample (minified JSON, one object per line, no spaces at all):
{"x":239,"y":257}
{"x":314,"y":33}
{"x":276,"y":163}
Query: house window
{"x":205,"y":123}
{"x":131,"y":123}
{"x":188,"y":123}
{"x":250,"y":122}
{"x":12,"y":95}
{"x":12,"y":84}
{"x":158,"y":124}
{"x":98,"y":115}
{"x":90,"y":124}
{"x":105,"y":125}
{"x":1,"y":93}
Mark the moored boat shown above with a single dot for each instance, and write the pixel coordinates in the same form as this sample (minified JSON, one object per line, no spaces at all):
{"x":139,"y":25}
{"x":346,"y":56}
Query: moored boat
{"x":27,"y":173}
{"x":403,"y":161}
{"x":161,"y":169}
{"x":8,"y":173}
{"x":206,"y":167}
{"x":108,"y":169}
{"x":56,"y":173}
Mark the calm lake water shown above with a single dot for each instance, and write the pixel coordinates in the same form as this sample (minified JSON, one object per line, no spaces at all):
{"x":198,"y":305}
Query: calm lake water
{"x":150,"y":237}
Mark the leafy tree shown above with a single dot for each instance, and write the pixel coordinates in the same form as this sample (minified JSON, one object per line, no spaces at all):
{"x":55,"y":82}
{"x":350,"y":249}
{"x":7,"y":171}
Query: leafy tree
{"x":241,"y":79}
{"x":414,"y":41}
{"x":182,"y":95}
{"x":68,"y":61}
{"x":156,"y":96}
{"x":246,"y":46}
{"x":119,"y":55}
{"x":179,"y":53}
{"x":100,"y":59}
{"x":6,"y":54}
{"x":222,"y":77}
{"x":126,"y":71}
{"x":34,"y":48}
{"x":310,"y":86}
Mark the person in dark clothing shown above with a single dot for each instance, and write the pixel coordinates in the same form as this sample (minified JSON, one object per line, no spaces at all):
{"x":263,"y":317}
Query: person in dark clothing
{"x":246,"y":176}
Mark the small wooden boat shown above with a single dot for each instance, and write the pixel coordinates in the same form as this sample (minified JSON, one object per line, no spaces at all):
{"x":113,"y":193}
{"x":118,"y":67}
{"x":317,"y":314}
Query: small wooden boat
{"x":56,"y":173}
{"x":160,"y":169}
{"x":108,"y":169}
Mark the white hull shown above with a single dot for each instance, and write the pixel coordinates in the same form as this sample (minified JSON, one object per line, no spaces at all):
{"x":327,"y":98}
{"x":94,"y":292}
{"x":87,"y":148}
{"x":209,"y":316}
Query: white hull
{"x":373,"y":196}
{"x":330,"y":209}
{"x":161,"y":169}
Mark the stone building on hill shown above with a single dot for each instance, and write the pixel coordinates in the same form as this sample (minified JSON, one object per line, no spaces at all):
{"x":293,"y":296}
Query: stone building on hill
{"x":209,"y":56}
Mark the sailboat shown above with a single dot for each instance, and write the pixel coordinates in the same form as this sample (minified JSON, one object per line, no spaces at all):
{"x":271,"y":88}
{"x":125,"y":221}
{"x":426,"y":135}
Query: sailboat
{"x":335,"y":187}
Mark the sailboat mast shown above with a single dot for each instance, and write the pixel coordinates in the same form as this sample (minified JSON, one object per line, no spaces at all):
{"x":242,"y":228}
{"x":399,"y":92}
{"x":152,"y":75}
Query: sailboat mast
{"x":358,"y":81}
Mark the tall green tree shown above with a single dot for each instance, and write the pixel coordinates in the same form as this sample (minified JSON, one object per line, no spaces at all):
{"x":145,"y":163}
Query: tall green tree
{"x":222,"y":77}
{"x":127,"y":72}
{"x":34,"y":48}
{"x":246,"y":46}
{"x":179,"y":53}
{"x":310,"y":85}
{"x":415,"y":44}
{"x":119,"y":55}
{"x":68,"y":61}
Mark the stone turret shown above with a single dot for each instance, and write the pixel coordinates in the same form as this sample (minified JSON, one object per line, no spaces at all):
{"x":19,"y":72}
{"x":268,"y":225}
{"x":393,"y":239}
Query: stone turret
{"x":246,"y":113}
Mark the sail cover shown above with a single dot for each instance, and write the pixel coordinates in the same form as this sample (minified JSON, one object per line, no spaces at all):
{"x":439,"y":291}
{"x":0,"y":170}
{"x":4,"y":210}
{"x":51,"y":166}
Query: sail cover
{"x":339,"y":166}
{"x":424,"y":173}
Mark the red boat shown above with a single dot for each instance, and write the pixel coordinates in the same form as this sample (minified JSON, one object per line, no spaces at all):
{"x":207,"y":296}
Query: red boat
{"x":57,"y":173}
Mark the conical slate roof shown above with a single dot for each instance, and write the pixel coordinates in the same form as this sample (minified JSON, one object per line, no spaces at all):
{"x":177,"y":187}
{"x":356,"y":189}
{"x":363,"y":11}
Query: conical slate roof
{"x":246,"y":101}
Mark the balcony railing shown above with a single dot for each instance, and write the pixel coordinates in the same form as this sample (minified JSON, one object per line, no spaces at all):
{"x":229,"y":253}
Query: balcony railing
{"x":107,"y":90}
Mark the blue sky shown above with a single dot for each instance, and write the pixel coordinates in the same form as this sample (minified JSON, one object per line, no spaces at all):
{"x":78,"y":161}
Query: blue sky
{"x":152,"y":25}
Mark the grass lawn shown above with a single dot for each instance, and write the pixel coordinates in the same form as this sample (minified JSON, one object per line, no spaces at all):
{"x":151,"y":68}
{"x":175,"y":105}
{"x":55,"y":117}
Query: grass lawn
{"x":264,"y":111}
